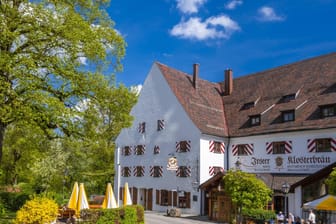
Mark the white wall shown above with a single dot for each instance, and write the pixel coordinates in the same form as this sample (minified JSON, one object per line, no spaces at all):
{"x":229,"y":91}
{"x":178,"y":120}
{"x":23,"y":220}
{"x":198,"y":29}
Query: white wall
{"x":156,"y":102}
{"x":299,"y":161}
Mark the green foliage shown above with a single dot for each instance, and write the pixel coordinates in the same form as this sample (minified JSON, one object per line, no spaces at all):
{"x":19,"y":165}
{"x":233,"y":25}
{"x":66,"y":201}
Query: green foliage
{"x":39,"y":210}
{"x":258,"y":214}
{"x":60,"y":108}
{"x":54,"y":54}
{"x":246,"y":191}
{"x":3,"y":209}
{"x":331,"y":182}
{"x":13,"y":200}
{"x":133,"y":214}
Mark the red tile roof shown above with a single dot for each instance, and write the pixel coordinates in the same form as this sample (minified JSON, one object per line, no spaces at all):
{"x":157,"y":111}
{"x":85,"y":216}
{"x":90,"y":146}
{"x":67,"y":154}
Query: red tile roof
{"x":203,"y":104}
{"x":312,"y":80}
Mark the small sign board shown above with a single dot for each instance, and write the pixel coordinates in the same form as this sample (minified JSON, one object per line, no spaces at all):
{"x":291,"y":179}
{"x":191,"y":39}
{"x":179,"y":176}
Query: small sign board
{"x":172,"y":164}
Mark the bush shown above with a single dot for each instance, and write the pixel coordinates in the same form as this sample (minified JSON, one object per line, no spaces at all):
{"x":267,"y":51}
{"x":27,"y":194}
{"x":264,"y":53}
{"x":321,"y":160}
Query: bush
{"x":13,"y":200}
{"x":126,"y":215}
{"x":39,"y":210}
{"x":258,"y":215}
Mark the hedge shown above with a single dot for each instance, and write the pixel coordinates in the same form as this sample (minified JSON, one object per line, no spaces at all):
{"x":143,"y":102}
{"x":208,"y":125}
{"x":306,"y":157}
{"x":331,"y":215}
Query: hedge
{"x":133,"y":214}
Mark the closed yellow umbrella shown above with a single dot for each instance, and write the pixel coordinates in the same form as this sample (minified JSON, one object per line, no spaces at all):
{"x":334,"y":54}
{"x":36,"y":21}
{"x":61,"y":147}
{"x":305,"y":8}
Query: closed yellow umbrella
{"x":109,"y":199}
{"x":127,"y":196}
{"x":74,"y":197}
{"x":82,"y":199}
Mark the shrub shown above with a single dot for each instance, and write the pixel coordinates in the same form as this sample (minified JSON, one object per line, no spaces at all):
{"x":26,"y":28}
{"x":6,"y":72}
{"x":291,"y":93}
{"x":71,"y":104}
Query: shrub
{"x":13,"y":200}
{"x":39,"y":210}
{"x":126,"y":215}
{"x":258,"y":214}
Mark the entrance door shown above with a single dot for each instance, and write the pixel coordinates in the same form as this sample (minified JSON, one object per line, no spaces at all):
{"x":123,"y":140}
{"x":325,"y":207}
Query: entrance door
{"x":142,"y":197}
{"x":279,"y":204}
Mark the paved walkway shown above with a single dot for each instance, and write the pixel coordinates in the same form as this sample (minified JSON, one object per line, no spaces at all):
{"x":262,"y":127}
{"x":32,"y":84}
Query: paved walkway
{"x":161,"y":218}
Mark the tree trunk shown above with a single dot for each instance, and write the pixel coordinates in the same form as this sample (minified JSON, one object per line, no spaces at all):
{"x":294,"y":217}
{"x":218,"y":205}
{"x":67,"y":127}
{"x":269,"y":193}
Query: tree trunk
{"x":2,"y":136}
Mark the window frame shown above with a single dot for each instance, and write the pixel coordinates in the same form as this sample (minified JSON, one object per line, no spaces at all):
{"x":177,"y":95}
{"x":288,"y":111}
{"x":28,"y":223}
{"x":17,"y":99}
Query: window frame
{"x":242,"y":147}
{"x":288,"y":115}
{"x":328,"y":110}
{"x":183,"y":146}
{"x":323,"y":145}
{"x":127,"y":150}
{"x":156,"y":171}
{"x":139,"y":150}
{"x":217,"y":147}
{"x":287,"y":98}
{"x":255,"y":120}
{"x":183,"y":171}
{"x":139,"y":171}
{"x":279,"y":148}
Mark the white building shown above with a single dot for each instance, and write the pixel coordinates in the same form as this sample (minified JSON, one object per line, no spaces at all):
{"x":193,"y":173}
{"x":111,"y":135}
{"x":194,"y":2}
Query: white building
{"x":279,"y":124}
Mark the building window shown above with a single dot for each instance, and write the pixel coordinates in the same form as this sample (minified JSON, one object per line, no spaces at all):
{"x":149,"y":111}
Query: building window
{"x":160,"y":125}
{"x":255,"y":120}
{"x":217,"y":169}
{"x":287,"y":98}
{"x":242,"y":150}
{"x":248,"y":105}
{"x":156,"y":149}
{"x":217,"y":147}
{"x":328,"y":110}
{"x":288,"y":115}
{"x":126,"y":151}
{"x":279,"y":147}
{"x":139,"y":171}
{"x":142,"y":127}
{"x":183,"y":146}
{"x":156,"y":171}
{"x":164,"y":197}
{"x":126,"y":171}
{"x":183,"y":171}
{"x":139,"y":150}
{"x":323,"y":145}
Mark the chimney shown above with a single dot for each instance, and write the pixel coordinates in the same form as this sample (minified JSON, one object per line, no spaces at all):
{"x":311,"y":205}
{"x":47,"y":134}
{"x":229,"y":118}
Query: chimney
{"x":195,"y":75}
{"x":228,"y":82}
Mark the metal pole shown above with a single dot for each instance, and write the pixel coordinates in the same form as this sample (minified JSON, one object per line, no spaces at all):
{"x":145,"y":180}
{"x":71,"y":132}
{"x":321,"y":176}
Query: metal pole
{"x":285,"y":212}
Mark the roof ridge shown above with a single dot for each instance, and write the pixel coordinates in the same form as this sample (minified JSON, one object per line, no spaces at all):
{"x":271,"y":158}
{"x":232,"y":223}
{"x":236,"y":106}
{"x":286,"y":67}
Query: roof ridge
{"x":290,"y":64}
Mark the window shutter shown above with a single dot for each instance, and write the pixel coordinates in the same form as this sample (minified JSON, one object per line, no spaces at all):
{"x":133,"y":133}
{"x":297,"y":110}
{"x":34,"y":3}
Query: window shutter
{"x":157,"y":197}
{"x":169,"y":198}
{"x":187,"y":195}
{"x":135,"y":196}
{"x":175,"y":198}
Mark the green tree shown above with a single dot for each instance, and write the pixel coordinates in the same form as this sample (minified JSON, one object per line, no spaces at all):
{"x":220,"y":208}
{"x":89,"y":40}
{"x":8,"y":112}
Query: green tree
{"x":331,"y":182}
{"x":246,"y":191}
{"x":53,"y":54}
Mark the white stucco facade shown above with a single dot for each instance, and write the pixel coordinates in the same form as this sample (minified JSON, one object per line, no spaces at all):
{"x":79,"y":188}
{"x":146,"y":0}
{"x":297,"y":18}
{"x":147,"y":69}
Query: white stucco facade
{"x":157,"y":102}
{"x":297,"y":159}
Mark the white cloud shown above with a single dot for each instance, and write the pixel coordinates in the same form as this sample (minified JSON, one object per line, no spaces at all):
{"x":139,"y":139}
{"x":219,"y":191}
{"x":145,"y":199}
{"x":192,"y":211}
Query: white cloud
{"x":214,"y":27}
{"x":189,"y":6}
{"x":233,"y":4}
{"x":268,"y":14}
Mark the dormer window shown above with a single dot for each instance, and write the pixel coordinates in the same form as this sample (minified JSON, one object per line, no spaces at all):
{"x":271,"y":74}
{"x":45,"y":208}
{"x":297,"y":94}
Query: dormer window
{"x":248,"y":105}
{"x":287,"y":98}
{"x":328,"y":110}
{"x":255,"y":120}
{"x":288,"y":115}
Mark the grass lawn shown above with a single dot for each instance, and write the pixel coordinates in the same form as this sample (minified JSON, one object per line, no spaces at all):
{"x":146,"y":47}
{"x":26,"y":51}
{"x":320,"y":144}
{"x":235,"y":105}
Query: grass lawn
{"x":6,"y":219}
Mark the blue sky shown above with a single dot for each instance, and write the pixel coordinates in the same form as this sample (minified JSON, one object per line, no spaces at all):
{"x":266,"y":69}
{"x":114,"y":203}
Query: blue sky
{"x":247,"y":36}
